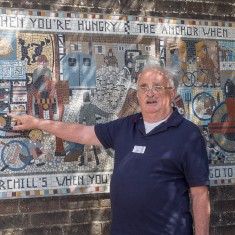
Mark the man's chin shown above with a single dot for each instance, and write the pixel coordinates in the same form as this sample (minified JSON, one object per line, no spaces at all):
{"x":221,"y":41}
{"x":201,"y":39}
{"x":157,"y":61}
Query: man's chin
{"x":152,"y":109}
{"x":151,"y":106}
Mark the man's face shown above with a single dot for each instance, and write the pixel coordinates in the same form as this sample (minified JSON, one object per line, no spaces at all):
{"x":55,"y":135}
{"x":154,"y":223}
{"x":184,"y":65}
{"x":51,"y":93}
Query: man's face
{"x":154,"y":93}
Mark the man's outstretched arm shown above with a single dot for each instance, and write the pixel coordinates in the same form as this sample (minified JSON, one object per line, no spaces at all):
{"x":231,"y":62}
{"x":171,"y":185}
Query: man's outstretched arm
{"x":65,"y":130}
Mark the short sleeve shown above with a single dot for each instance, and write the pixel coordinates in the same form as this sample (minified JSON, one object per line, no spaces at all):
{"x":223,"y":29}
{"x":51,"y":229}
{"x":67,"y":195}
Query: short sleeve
{"x":195,"y":162}
{"x":105,"y":132}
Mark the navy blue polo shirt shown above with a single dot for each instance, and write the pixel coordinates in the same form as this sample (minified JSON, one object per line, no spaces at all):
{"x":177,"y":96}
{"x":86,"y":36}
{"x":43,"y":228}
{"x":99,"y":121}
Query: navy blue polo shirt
{"x":152,"y":174}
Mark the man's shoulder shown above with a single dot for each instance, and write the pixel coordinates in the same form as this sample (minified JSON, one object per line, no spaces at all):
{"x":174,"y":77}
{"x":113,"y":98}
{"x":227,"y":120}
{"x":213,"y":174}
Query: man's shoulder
{"x":190,"y":124}
{"x":190,"y":129}
{"x":131,"y":117}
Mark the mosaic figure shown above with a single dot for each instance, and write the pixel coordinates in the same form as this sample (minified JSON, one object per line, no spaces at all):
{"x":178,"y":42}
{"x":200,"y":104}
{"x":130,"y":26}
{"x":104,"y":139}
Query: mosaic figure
{"x":175,"y":57}
{"x":39,"y":48}
{"x":36,"y":149}
{"x":29,"y":152}
{"x":129,"y":57}
{"x":230,"y":55}
{"x":205,"y":63}
{"x":110,"y":59}
{"x":44,"y":100}
{"x":179,"y":62}
{"x":42,"y":69}
{"x":24,"y":51}
{"x":224,"y":52}
{"x":88,"y":116}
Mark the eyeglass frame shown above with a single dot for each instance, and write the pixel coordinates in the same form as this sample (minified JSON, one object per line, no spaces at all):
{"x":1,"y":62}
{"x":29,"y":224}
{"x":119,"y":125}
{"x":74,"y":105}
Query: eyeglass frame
{"x":155,"y":88}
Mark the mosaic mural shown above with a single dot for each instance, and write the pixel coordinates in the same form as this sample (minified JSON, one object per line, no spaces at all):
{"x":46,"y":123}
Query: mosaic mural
{"x":84,"y":68}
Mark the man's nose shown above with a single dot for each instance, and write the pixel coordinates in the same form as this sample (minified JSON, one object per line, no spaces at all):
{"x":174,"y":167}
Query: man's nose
{"x":150,"y":92}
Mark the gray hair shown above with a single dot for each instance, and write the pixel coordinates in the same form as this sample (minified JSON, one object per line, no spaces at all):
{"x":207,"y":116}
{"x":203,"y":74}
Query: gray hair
{"x":168,"y":74}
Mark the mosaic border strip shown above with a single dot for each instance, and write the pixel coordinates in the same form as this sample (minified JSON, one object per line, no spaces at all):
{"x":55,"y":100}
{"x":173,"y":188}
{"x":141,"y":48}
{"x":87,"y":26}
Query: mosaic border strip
{"x":222,"y":175}
{"x":55,"y":192}
{"x":64,"y":14}
{"x":54,"y":184}
{"x":110,"y":26}
{"x":222,"y":182}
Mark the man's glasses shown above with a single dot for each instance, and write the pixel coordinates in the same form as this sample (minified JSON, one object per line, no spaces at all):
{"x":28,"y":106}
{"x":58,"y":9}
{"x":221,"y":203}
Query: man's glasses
{"x":155,"y":88}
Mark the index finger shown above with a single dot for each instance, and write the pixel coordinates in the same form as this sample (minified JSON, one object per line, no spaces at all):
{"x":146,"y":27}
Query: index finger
{"x":14,"y":117}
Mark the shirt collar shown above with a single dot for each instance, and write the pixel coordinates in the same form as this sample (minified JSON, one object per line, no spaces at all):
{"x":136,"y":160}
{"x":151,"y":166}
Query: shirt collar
{"x":174,"y":120}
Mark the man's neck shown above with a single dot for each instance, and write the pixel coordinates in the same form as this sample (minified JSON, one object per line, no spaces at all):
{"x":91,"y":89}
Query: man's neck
{"x":157,"y":117}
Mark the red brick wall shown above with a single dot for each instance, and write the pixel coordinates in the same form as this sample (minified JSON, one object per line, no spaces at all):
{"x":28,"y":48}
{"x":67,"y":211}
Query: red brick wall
{"x":86,"y":214}
{"x":197,"y":9}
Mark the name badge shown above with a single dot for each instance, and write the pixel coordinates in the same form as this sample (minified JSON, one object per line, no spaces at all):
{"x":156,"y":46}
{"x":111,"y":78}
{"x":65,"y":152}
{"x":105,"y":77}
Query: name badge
{"x":138,"y":149}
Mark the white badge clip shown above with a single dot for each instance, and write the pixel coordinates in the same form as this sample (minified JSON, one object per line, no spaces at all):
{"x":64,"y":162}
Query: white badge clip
{"x":138,"y":149}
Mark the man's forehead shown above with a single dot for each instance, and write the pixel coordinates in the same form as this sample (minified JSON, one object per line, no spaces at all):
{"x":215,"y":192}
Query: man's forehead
{"x":153,"y":76}
{"x":151,"y":82}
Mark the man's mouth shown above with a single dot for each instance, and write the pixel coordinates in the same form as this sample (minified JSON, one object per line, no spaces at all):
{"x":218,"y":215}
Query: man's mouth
{"x":151,"y":102}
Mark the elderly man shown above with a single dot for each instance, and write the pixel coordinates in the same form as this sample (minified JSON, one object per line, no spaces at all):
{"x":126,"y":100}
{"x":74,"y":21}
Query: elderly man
{"x":159,"y":157}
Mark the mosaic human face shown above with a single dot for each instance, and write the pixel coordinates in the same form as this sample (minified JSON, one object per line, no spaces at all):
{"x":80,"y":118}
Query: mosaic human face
{"x":42,"y":65}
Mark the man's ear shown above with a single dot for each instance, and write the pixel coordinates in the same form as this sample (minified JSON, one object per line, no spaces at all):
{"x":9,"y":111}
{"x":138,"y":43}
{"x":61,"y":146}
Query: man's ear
{"x":173,"y":94}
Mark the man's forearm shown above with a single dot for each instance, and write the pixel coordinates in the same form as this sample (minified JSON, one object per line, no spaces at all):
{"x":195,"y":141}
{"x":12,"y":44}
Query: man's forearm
{"x":73,"y":132}
{"x":201,"y":212}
